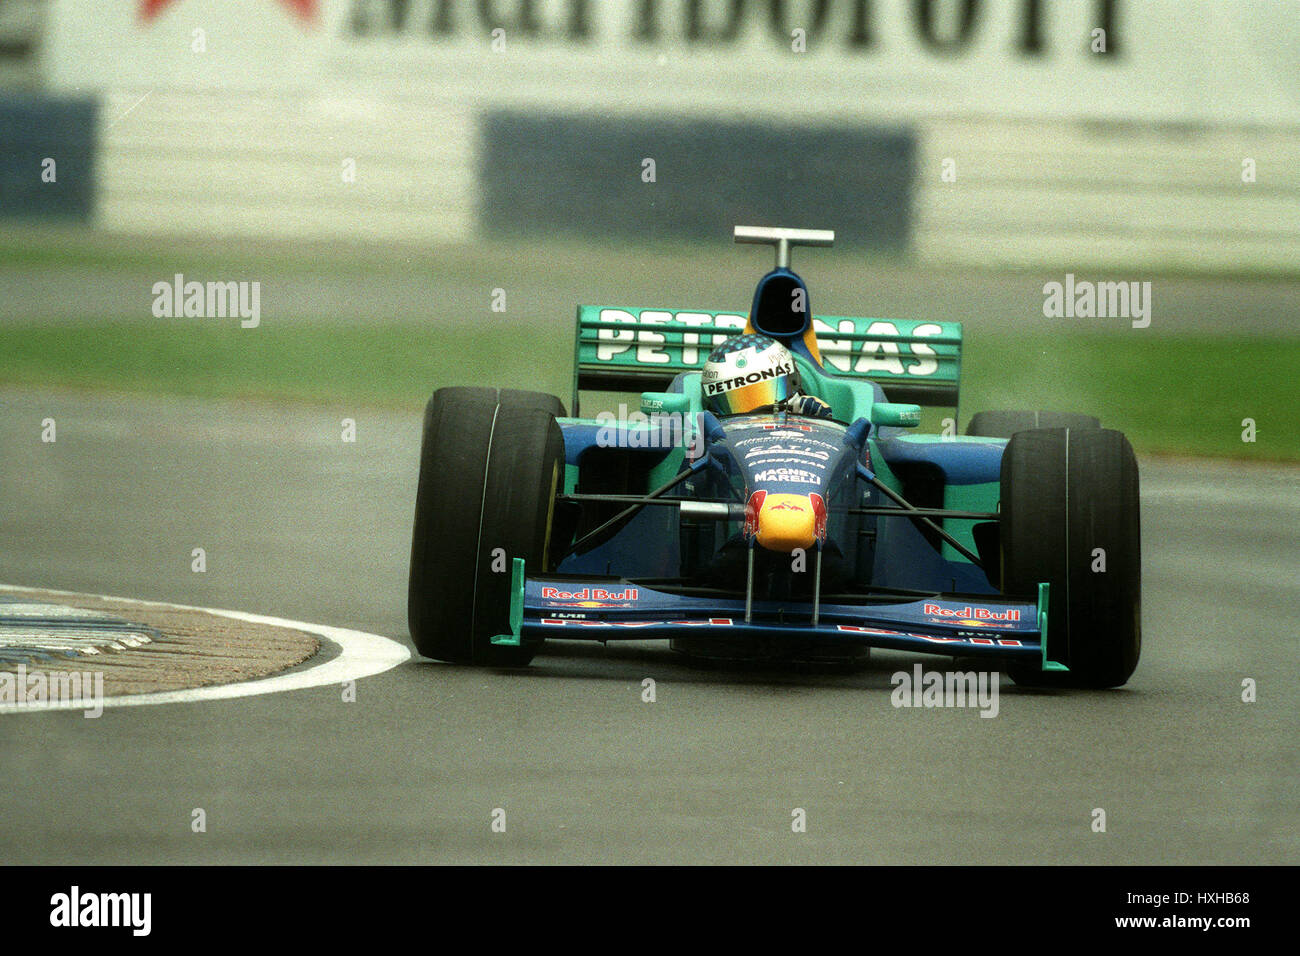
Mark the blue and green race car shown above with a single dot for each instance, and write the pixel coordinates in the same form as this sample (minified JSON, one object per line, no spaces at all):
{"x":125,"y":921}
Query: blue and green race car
{"x":775,"y":535}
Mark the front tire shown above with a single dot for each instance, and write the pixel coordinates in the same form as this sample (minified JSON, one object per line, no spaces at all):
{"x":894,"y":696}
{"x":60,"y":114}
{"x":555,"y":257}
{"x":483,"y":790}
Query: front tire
{"x":1070,"y":518}
{"x":491,"y":462}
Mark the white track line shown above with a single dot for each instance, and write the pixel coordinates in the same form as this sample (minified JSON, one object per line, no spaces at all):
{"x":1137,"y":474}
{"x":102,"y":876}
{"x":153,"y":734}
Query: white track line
{"x":361,"y":655}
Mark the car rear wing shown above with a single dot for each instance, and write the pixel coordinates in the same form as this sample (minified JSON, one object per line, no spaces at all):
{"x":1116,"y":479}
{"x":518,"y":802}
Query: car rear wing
{"x":635,"y":350}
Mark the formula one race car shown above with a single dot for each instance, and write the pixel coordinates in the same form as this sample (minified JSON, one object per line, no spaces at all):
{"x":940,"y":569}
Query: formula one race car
{"x":767,"y":498}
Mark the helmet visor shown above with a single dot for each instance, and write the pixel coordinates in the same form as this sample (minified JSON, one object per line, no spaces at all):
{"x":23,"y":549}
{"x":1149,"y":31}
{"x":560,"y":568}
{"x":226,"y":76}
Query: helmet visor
{"x":736,"y":397}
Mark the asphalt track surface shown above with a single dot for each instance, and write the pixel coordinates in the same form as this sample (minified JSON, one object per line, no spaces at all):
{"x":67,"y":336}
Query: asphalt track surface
{"x":298,"y":524}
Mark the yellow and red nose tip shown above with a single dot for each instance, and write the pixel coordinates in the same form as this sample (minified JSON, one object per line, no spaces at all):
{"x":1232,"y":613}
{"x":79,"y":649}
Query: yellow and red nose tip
{"x":783,"y":522}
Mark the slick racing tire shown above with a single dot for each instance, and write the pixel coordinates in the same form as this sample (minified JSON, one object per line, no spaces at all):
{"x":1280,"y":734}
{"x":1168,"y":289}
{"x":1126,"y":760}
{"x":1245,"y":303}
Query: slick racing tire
{"x":1070,"y":518}
{"x":1004,"y":424}
{"x":491,"y":462}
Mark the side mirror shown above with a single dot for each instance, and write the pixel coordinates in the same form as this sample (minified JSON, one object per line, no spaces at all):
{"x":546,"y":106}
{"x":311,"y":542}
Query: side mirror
{"x":857,"y":433}
{"x":712,"y":428}
{"x":665,"y":403}
{"x":896,"y":414}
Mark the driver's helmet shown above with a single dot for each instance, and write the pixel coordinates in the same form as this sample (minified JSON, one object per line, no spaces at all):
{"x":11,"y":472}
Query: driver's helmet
{"x":748,"y":373}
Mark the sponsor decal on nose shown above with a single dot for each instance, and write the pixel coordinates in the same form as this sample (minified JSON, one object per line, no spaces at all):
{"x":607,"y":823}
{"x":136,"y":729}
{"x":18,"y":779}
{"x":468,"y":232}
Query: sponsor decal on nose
{"x":786,"y":522}
{"x":752,"y":507}
{"x":819,"y":516}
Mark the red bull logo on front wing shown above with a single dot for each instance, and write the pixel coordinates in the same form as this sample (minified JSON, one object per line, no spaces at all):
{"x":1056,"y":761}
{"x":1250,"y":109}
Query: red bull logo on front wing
{"x":972,"y":615}
{"x":589,"y":595}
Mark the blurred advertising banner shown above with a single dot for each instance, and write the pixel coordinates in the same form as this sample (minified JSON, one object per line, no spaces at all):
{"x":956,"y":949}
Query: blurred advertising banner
{"x":268,"y":46}
{"x":1158,"y":60}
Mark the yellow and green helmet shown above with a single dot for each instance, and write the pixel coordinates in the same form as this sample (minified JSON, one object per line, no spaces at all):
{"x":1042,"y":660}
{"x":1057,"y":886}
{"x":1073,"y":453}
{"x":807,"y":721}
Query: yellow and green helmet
{"x":748,"y":373}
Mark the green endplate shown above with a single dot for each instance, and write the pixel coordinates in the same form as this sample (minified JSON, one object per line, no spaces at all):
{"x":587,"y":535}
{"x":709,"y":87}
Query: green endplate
{"x":516,"y":605}
{"x":1042,"y":629}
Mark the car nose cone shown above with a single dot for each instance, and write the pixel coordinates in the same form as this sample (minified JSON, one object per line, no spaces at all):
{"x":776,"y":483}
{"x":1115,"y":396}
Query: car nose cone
{"x":786,"y":522}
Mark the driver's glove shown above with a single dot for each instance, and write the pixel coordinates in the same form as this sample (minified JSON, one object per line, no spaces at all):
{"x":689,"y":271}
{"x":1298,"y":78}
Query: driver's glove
{"x":809,"y":406}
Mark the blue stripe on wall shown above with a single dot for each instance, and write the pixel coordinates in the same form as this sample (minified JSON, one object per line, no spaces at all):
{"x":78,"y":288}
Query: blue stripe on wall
{"x":582,"y":175}
{"x":34,"y":128}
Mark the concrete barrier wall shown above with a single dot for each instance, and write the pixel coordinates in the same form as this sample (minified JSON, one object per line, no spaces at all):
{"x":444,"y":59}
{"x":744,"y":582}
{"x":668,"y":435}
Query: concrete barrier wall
{"x":979,"y":132}
{"x":1016,"y":192}
{"x":223,"y":165}
{"x":1115,"y":195}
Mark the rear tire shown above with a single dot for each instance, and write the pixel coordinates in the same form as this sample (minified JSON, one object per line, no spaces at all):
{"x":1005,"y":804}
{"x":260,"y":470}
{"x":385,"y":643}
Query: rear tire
{"x":1065,"y":494}
{"x":491,"y":462}
{"x":1004,"y":424}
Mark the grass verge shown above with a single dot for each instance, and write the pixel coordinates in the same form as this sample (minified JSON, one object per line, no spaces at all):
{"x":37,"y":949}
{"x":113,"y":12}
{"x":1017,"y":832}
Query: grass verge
{"x":1171,"y":395}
